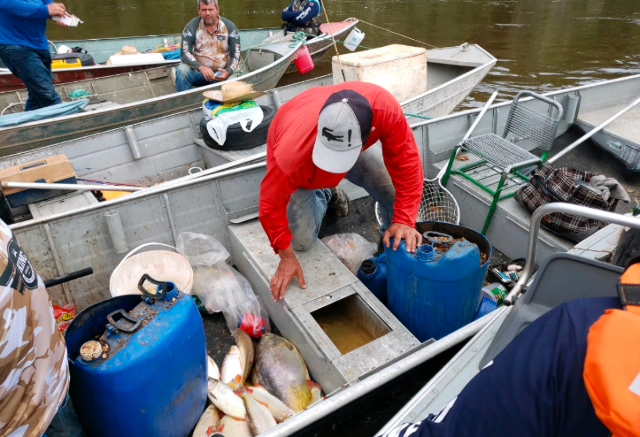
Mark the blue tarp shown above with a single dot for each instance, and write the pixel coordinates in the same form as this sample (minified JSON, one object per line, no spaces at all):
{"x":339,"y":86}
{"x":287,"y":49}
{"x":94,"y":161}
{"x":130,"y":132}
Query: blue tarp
{"x":40,"y":114}
{"x":173,"y":54}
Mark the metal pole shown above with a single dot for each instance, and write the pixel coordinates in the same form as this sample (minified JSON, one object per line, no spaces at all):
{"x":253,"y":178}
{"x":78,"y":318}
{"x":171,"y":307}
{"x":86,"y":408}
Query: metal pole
{"x":72,"y":187}
{"x":484,"y":110}
{"x":566,"y":208}
{"x":592,"y":132}
{"x":137,"y":195}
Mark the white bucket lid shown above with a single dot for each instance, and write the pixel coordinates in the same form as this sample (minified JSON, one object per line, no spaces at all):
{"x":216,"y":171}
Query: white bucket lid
{"x":161,"y":265}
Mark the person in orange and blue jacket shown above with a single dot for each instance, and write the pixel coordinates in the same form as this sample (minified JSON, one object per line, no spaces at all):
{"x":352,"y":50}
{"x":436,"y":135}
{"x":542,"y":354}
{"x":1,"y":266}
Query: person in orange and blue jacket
{"x":575,"y":371}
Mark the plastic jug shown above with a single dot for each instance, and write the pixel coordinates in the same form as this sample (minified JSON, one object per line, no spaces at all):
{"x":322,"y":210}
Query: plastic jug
{"x":354,"y":39}
{"x":373,"y":274}
{"x":436,"y":291}
{"x":151,"y":377}
{"x":303,"y":60}
{"x":492,"y":297}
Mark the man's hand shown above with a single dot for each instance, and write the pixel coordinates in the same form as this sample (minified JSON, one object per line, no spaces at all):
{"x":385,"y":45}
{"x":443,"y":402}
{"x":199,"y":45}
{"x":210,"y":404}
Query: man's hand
{"x":221,"y":75}
{"x":287,"y":269}
{"x":207,"y":72}
{"x":399,"y":231}
{"x":57,"y":9}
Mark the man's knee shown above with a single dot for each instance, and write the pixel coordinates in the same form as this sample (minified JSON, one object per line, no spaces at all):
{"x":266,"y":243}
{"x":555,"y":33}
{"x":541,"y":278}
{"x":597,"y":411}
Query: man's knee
{"x":183,"y":71}
{"x":303,"y":239}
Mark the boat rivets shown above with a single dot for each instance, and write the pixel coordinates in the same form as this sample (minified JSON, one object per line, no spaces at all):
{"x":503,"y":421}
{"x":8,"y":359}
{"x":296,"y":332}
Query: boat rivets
{"x":474,"y":349}
{"x":435,"y":391}
{"x":455,"y":369}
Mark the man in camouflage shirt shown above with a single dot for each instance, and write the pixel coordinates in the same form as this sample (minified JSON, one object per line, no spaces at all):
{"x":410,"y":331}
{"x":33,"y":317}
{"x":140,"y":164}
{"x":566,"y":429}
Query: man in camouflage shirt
{"x":210,"y":48}
{"x":34,"y":375}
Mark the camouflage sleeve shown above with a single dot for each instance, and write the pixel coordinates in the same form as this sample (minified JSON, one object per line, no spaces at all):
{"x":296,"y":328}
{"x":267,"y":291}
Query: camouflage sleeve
{"x":188,"y":44}
{"x":234,"y":47}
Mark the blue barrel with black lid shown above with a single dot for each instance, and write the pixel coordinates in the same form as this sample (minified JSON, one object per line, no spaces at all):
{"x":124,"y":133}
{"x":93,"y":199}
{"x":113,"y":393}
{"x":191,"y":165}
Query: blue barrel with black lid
{"x":437,"y":290}
{"x":150,"y":375}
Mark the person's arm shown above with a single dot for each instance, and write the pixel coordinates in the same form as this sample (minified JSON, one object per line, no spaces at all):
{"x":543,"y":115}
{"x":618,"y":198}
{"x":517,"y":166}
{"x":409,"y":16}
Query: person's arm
{"x":187,"y":46}
{"x":275,"y":193}
{"x":234,"y":48}
{"x":287,"y":13}
{"x":305,"y":15}
{"x":24,"y":9}
{"x":403,"y":162}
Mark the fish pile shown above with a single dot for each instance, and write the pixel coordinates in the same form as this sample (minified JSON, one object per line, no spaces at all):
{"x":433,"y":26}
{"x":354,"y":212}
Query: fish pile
{"x":257,"y":387}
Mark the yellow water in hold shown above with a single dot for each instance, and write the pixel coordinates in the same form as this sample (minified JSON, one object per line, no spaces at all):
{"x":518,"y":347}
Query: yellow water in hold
{"x":344,"y":331}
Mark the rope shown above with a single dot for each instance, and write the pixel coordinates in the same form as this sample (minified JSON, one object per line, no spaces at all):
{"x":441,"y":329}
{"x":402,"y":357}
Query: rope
{"x":335,"y":46}
{"x":408,"y":114}
{"x":399,"y":34}
{"x":78,"y":94}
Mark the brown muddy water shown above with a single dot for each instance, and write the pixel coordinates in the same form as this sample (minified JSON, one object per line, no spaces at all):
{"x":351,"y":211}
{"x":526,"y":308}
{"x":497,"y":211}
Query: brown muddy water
{"x":540,"y":45}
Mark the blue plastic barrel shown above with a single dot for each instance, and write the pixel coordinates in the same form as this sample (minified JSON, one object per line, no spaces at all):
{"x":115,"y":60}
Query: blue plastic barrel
{"x":153,"y":381}
{"x":433,"y":292}
{"x":373,"y":274}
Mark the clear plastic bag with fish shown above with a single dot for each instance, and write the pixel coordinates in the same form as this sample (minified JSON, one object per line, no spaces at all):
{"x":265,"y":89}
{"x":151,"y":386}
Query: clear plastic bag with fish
{"x":351,"y":249}
{"x":220,"y":287}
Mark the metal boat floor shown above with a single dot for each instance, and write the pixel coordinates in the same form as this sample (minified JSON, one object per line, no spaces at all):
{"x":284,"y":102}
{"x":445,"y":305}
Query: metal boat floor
{"x":626,"y":126}
{"x":329,"y":283}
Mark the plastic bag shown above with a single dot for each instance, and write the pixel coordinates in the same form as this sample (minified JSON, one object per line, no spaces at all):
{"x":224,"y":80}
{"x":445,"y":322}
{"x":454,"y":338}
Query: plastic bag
{"x":225,"y":115}
{"x":351,"y":249}
{"x":220,"y":287}
{"x":64,"y":315}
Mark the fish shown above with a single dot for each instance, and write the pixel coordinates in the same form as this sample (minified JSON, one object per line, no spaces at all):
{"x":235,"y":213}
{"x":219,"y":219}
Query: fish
{"x":212,"y":369}
{"x":280,"y":369}
{"x":277,"y":408}
{"x":258,"y":416}
{"x":232,"y":371}
{"x":245,"y":344}
{"x":223,"y":397}
{"x":316,"y":392}
{"x":208,"y":423}
{"x":232,"y":427}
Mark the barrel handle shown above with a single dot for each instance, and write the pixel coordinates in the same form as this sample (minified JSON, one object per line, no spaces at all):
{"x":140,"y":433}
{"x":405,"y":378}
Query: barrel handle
{"x":146,"y":295}
{"x":113,"y":325}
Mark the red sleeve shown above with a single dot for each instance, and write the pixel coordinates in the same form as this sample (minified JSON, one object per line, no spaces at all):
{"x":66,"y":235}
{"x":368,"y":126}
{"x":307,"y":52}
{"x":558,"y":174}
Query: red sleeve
{"x":403,"y":162}
{"x":275,"y":193}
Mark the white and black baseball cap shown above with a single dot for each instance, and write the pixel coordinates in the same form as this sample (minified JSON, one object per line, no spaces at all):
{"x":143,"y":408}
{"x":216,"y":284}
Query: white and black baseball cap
{"x":343,"y":128}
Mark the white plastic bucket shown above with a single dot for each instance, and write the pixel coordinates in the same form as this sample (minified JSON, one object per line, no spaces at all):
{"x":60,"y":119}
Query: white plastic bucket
{"x":161,"y":265}
{"x":354,"y":39}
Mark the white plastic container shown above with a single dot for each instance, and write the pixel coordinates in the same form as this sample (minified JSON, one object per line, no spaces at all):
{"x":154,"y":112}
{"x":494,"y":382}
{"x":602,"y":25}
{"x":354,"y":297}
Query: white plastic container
{"x":141,"y":58}
{"x":401,"y":70}
{"x":161,"y":265}
{"x":354,"y":39}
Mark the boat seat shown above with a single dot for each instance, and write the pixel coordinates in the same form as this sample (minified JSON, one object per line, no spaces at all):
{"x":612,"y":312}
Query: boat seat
{"x":561,"y":278}
{"x":506,"y":156}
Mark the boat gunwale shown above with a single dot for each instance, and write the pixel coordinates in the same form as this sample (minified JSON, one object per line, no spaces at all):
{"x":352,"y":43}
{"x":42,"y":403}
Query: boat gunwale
{"x":82,"y":115}
{"x":492,"y":61}
{"x":474,"y":111}
{"x":90,"y":68}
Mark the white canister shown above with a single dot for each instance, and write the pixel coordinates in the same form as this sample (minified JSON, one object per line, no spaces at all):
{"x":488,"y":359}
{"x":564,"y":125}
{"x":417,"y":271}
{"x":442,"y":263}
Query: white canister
{"x":354,"y":39}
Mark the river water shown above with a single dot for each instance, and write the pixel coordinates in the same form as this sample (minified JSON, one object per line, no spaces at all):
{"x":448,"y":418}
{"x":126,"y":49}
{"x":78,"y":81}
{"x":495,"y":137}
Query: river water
{"x":540,"y":44}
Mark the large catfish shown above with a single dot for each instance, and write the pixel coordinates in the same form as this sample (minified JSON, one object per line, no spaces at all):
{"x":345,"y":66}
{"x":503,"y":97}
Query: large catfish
{"x":281,"y":370}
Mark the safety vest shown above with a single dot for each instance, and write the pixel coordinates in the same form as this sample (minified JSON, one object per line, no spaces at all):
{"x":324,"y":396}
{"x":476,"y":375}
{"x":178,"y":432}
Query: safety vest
{"x":612,"y":364}
{"x":312,"y":26}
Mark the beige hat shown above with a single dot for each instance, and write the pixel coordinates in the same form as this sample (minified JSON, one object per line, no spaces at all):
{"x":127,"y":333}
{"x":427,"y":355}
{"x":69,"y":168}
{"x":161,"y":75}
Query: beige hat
{"x":127,"y":50}
{"x":232,"y":92}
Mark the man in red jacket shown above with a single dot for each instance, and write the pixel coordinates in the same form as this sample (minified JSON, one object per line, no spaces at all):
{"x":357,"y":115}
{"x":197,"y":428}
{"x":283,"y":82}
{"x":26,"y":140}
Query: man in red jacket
{"x":320,"y":137}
